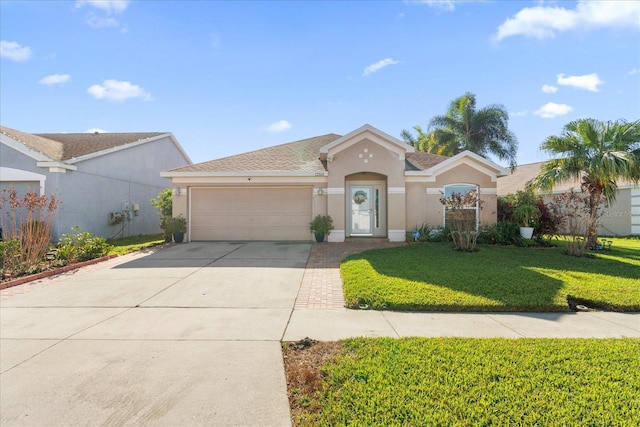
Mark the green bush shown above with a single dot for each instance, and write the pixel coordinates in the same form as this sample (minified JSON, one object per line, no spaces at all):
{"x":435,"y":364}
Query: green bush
{"x":164,"y":204}
{"x":502,"y":233}
{"x":81,"y":246}
{"x":10,"y":255}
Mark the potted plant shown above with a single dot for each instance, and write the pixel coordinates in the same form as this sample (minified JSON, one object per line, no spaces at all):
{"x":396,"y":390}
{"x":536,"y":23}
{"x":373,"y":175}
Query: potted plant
{"x":526,"y":214}
{"x":177,"y":226}
{"x":321,"y":226}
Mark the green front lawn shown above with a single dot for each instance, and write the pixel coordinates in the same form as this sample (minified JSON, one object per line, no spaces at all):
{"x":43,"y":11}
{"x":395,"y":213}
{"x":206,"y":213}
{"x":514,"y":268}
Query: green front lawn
{"x":432,"y":276}
{"x":461,"y":382}
{"x":132,"y":244}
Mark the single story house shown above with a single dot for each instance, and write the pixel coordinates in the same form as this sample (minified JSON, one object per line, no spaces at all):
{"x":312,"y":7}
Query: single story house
{"x":369,"y":182}
{"x":620,"y":219}
{"x":105,"y":181}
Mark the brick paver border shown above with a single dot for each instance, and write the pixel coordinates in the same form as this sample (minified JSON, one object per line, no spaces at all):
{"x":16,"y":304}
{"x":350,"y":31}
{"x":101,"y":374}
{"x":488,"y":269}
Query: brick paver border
{"x":321,"y":286}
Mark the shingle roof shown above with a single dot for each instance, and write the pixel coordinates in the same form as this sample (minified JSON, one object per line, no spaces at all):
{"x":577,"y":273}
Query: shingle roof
{"x":66,"y":146}
{"x":517,"y":180}
{"x":81,"y":144}
{"x":297,"y":156}
{"x":48,"y":147}
{"x":510,"y":184}
{"x":421,"y":161}
{"x":302,"y":156}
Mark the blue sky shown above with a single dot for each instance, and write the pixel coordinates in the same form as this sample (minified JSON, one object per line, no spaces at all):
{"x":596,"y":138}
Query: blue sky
{"x":230,"y":77}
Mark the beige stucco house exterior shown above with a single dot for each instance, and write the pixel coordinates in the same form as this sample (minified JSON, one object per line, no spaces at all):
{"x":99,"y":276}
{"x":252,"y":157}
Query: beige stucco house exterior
{"x":370,"y":183}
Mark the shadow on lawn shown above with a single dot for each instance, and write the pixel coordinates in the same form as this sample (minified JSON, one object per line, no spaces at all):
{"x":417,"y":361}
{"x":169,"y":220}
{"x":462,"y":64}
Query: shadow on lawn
{"x":510,"y":278}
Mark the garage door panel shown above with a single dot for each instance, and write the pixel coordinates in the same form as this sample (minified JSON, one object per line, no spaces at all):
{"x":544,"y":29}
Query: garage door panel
{"x":280,"y":213}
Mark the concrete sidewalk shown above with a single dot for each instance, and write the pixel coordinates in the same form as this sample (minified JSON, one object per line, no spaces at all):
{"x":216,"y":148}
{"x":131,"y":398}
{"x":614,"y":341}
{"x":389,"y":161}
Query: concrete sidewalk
{"x":331,"y":325}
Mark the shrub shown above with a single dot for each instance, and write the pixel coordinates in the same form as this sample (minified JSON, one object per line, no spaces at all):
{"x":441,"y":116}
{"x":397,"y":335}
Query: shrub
{"x":581,"y":219}
{"x":28,"y":219}
{"x":551,"y":220}
{"x":462,"y":220}
{"x":81,"y":246}
{"x":10,"y":255}
{"x":164,"y":204}
{"x":321,"y":224}
{"x":502,"y":233}
{"x":176,"y":225}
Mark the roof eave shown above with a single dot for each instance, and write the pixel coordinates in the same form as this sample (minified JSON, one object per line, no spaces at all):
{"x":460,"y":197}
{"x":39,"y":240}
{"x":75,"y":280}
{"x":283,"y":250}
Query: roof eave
{"x":177,"y":174}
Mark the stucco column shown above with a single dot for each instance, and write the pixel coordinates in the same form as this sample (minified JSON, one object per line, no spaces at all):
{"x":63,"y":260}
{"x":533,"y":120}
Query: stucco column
{"x":336,"y":210}
{"x":396,"y":214}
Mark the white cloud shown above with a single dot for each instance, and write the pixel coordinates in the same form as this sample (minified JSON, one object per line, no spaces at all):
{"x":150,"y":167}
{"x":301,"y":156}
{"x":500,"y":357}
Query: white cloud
{"x":109,"y":6}
{"x":551,"y":110}
{"x":546,"y":21}
{"x":549,"y":89}
{"x":55,"y":79}
{"x":448,"y":5}
{"x":518,"y":113}
{"x":633,"y":71}
{"x":379,"y":65}
{"x":116,"y":90}
{"x":14,"y":51}
{"x":280,"y":126}
{"x":96,"y":130}
{"x":101,"y":22}
{"x":588,"y":82}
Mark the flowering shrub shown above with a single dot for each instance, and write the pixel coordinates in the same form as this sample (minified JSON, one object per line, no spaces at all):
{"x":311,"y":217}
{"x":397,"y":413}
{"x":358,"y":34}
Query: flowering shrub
{"x":461,"y":219}
{"x":27,"y":221}
{"x":581,"y":219}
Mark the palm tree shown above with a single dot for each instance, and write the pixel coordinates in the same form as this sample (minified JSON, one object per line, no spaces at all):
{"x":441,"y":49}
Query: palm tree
{"x":484,"y":131}
{"x":596,"y":153}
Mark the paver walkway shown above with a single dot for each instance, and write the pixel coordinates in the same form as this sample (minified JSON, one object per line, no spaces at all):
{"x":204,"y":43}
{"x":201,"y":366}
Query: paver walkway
{"x":321,"y":286}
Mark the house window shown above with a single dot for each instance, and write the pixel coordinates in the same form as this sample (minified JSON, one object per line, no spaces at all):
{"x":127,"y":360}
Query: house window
{"x":461,"y":203}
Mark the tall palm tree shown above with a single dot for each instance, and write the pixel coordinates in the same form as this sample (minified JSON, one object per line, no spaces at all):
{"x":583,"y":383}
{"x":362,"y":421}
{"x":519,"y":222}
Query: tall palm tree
{"x":463,"y":127}
{"x":596,"y":153}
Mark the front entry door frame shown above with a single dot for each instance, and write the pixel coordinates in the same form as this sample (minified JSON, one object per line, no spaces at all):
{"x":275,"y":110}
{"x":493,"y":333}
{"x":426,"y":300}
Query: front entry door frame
{"x":367,"y":218}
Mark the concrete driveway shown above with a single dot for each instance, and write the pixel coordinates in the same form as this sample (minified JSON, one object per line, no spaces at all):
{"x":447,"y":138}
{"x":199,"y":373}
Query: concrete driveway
{"x":175,"y":338}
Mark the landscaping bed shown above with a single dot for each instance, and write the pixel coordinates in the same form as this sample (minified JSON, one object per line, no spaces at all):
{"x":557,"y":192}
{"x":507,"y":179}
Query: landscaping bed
{"x":464,"y":381}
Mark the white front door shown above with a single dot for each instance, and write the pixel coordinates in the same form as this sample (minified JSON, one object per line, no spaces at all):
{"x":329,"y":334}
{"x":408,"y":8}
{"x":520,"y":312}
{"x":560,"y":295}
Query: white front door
{"x":361,"y":223}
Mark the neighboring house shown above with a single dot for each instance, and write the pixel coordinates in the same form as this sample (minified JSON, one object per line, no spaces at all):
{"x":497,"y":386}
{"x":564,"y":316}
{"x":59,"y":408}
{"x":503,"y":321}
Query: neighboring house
{"x":369,"y":182}
{"x":105,"y":180}
{"x":622,"y":218}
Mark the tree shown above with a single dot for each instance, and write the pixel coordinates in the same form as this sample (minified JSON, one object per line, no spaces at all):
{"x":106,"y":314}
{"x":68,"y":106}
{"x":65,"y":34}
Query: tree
{"x":596,"y":153}
{"x":164,"y":204}
{"x":463,"y":127}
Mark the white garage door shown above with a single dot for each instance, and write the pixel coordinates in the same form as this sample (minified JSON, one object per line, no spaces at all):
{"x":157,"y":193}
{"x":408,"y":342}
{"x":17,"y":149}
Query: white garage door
{"x":256,"y":213}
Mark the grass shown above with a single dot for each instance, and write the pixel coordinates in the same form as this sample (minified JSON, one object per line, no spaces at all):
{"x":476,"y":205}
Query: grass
{"x":132,"y":244}
{"x":432,"y":276}
{"x":463,"y":381}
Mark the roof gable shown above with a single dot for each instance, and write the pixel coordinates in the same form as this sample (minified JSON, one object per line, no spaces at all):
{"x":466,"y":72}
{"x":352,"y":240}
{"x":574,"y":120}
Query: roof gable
{"x":474,"y":160}
{"x":366,"y":132}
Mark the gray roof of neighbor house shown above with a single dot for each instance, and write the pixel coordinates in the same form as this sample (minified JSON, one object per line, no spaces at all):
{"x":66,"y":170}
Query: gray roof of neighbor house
{"x":66,"y":146}
{"x":518,"y":179}
{"x":297,"y":156}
